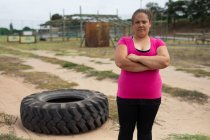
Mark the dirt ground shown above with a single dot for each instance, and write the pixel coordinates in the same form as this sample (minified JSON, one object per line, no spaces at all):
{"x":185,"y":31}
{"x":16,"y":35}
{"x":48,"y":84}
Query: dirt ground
{"x":174,"y":116}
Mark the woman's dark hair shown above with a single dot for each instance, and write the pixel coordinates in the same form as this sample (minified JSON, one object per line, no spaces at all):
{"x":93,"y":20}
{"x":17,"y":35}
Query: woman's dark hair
{"x":145,"y":11}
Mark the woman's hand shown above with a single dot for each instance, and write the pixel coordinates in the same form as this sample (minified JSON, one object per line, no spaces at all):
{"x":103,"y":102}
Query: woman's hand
{"x":123,"y":62}
{"x":133,"y":57}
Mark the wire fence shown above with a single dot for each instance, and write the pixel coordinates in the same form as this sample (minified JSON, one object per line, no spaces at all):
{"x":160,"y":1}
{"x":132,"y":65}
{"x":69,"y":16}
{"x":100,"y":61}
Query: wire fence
{"x":116,"y":30}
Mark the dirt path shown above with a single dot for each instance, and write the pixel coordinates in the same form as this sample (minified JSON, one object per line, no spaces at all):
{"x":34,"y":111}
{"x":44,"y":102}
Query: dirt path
{"x":174,"y":116}
{"x":185,"y":80}
{"x":12,"y":90}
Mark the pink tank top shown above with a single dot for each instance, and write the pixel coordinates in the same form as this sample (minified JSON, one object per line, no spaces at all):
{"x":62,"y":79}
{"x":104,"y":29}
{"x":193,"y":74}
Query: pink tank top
{"x":140,"y":85}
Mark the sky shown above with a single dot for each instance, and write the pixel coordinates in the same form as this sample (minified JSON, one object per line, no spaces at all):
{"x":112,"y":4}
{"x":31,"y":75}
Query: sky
{"x":31,"y":13}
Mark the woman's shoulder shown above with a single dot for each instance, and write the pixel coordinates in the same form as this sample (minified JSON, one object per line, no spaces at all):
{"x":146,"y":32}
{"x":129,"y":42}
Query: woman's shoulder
{"x":157,"y":41}
{"x":125,"y":40}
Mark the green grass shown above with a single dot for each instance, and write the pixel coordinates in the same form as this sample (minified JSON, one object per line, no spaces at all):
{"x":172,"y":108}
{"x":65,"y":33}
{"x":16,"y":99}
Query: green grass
{"x":10,"y":137}
{"x":187,"y":137}
{"x":68,"y":52}
{"x":186,"y":95}
{"x":52,"y":60}
{"x":196,"y":72}
{"x":98,"y":62}
{"x":90,"y":72}
{"x":100,"y":75}
{"x":77,"y":67}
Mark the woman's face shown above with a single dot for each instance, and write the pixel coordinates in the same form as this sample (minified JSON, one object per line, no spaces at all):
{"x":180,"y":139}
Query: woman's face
{"x":141,"y":25}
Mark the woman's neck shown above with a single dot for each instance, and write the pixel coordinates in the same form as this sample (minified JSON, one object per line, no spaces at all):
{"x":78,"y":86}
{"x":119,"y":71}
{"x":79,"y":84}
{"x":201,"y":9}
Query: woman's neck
{"x":140,"y":39}
{"x":137,"y":38}
{"x":142,"y":43}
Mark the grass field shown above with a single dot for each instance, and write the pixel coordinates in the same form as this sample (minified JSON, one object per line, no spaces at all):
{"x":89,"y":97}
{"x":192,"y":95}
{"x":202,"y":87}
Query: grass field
{"x":196,"y":55}
{"x":192,"y":59}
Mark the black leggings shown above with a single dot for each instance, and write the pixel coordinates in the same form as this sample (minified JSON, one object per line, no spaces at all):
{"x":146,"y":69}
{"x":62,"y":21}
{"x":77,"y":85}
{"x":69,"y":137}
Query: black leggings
{"x":137,"y":111}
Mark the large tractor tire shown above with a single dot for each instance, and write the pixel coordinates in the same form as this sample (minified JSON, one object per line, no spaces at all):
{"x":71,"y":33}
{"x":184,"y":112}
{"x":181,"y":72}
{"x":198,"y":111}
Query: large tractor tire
{"x":66,"y":111}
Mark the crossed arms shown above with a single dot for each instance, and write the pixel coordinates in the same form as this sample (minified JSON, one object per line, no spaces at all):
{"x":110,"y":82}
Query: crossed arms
{"x":134,"y":63}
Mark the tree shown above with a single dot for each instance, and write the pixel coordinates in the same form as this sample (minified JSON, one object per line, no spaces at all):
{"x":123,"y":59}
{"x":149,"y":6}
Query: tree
{"x":4,"y":31}
{"x":199,"y":10}
{"x":156,"y":10}
{"x":176,"y":10}
{"x":11,"y":28}
{"x":56,"y":17}
{"x":26,"y":29}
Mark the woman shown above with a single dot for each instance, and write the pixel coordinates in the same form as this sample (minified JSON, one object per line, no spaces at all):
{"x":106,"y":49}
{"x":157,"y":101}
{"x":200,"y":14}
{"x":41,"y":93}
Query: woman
{"x":139,"y":85}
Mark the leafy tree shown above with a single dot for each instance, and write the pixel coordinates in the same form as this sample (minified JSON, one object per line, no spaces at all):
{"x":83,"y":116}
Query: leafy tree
{"x":11,"y":27}
{"x":156,"y":10}
{"x":169,"y":11}
{"x":4,"y":31}
{"x":176,"y":10}
{"x":75,"y":22}
{"x":199,"y":10}
{"x":55,"y":21}
{"x":180,"y":9}
{"x":26,"y":29}
{"x":56,"y":17}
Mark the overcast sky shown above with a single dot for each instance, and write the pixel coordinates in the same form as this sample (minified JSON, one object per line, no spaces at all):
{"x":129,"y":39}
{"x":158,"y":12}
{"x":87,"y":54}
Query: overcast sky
{"x":34,"y":12}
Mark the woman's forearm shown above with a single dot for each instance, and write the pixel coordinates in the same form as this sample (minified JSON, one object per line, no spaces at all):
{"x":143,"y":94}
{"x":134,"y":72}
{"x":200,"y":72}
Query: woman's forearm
{"x":131,"y":66}
{"x":153,"y":62}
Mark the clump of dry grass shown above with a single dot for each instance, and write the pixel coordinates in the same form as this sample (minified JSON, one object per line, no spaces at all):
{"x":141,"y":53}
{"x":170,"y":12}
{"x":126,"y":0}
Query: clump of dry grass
{"x":14,"y":66}
{"x":186,"y":95}
{"x":44,"y":80}
{"x":187,"y":137}
{"x":10,"y":137}
{"x":113,"y":114}
{"x":10,"y":64}
{"x":7,"y":119}
{"x":188,"y":58}
{"x":197,"y":72}
{"x":14,"y":51}
{"x":82,"y":68}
